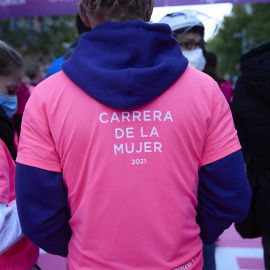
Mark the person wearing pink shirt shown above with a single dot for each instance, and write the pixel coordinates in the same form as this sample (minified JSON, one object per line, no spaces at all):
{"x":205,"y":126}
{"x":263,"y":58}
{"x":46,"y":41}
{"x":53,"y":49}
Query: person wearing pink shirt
{"x":128,"y":157}
{"x":17,"y":252}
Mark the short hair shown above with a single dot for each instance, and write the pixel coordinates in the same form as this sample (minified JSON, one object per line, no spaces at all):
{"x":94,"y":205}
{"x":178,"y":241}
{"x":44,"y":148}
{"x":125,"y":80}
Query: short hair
{"x":118,"y":10}
{"x":10,"y":59}
{"x":32,"y":69}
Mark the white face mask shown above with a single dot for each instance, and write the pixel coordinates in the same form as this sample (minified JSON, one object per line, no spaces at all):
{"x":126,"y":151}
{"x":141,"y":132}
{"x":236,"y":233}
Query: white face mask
{"x":195,"y":58}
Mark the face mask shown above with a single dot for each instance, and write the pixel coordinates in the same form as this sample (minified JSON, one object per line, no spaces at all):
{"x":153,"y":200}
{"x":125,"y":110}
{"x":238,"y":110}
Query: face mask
{"x":195,"y":58}
{"x":9,"y":104}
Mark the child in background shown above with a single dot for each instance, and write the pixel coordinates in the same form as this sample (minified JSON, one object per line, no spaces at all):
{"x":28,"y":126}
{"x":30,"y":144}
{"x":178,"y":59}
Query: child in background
{"x":17,"y":252}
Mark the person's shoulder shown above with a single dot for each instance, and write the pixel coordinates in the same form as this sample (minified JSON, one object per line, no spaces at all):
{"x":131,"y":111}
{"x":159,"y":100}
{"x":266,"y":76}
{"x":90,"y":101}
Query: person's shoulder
{"x":191,"y":71}
{"x":57,"y":78}
{"x":198,"y":87}
{"x":199,"y":79}
{"x":53,"y":87}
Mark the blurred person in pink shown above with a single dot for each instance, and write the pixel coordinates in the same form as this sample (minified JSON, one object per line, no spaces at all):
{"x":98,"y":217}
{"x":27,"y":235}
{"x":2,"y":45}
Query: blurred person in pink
{"x":134,"y":150}
{"x":17,"y":252}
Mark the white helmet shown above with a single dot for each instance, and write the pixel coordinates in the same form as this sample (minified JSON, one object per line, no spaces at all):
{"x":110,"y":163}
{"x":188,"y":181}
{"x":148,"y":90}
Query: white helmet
{"x":183,"y":21}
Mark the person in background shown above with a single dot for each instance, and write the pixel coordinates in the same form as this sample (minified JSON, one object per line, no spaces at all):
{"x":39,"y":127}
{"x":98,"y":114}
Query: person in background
{"x":17,"y":252}
{"x":189,"y":33}
{"x":56,"y":65}
{"x":34,"y":73}
{"x":188,"y":30}
{"x":226,"y":88}
{"x":251,"y":114}
{"x":211,"y":70}
{"x":135,"y":149}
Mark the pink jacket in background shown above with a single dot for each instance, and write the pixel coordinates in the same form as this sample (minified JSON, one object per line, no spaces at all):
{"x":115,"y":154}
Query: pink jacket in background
{"x":227,"y":90}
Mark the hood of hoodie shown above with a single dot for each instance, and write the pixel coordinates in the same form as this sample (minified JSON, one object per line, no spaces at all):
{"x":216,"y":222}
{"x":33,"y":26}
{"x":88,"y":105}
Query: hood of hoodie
{"x":255,"y":70}
{"x":125,"y":65}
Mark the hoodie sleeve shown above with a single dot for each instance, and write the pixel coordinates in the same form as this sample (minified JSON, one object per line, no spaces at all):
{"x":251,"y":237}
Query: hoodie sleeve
{"x":224,"y":195}
{"x":43,"y":209}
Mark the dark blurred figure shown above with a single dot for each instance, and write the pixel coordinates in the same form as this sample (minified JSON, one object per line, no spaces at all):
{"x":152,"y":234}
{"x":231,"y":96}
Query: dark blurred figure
{"x":251,"y":113}
{"x":56,"y":65}
{"x":211,"y":70}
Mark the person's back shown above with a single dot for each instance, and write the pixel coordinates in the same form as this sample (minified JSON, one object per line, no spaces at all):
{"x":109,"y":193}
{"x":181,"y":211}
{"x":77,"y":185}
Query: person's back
{"x":127,"y":147}
{"x":128,"y":135}
{"x":251,"y":112}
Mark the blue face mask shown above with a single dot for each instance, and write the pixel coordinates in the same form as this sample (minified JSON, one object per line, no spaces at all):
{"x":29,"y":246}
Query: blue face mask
{"x":9,"y":104}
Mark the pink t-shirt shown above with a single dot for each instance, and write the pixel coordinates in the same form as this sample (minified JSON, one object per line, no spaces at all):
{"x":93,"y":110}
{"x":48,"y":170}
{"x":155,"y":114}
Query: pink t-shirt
{"x":22,"y":255}
{"x":131,"y":176}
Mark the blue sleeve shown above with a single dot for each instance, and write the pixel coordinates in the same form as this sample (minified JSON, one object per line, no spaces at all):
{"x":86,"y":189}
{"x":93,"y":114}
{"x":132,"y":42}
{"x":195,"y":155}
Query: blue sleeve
{"x":42,"y":207}
{"x":224,"y":196}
